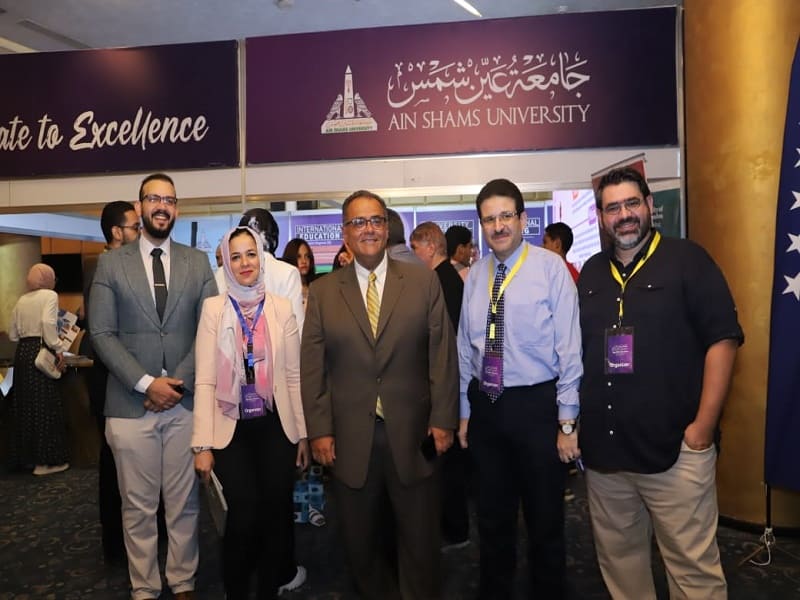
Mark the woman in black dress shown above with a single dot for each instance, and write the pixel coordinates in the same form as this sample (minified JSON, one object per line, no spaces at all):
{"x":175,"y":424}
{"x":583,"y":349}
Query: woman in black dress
{"x":39,"y":439}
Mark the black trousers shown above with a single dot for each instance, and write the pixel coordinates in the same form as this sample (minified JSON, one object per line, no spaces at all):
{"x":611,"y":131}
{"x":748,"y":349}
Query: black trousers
{"x":108,"y":498}
{"x":456,"y":468}
{"x":256,"y":471}
{"x":391,"y":531}
{"x":513,"y":444}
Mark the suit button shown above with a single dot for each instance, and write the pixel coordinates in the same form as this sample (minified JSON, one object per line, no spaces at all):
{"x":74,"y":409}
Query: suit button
{"x":163,"y":334}
{"x":378,"y":380}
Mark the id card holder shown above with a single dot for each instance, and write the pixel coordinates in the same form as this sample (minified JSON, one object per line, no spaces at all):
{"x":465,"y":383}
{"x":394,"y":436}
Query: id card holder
{"x":619,"y":350}
{"x":492,"y":373}
{"x":252,"y":405}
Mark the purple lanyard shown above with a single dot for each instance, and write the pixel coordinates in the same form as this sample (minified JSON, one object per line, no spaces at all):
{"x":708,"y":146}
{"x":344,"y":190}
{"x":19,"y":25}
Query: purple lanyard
{"x":247,"y":331}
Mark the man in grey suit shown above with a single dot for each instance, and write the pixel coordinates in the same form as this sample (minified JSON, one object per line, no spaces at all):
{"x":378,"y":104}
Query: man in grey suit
{"x":144,"y":306}
{"x":380,"y":386}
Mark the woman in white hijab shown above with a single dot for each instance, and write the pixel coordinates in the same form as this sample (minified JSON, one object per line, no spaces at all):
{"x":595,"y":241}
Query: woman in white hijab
{"x":248,"y":418}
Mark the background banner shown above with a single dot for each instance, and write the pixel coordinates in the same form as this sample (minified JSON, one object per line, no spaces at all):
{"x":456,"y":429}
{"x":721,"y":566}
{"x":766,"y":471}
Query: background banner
{"x":582,"y":80}
{"x":131,"y":109}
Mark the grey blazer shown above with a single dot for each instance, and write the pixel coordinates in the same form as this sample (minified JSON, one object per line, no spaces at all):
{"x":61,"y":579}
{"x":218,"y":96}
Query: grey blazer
{"x":126,"y":332}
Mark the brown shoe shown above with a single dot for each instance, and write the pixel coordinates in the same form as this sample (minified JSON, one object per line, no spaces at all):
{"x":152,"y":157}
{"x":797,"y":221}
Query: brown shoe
{"x":187,"y":595}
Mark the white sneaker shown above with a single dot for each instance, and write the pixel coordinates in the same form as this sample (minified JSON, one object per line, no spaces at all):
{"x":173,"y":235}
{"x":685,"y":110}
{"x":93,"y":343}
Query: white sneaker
{"x":299,"y":579}
{"x":49,"y":470}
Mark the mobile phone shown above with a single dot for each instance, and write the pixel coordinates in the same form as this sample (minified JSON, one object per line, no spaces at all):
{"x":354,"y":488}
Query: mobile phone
{"x":428,"y":448}
{"x":178,"y":388}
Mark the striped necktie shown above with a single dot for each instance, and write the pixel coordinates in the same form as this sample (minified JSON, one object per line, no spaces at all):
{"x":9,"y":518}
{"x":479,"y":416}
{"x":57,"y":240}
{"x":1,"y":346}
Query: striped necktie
{"x":373,"y":312}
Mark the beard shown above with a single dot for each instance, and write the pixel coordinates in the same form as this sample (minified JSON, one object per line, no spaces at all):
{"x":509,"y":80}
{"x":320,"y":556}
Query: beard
{"x":152,"y":230}
{"x":630,"y":240}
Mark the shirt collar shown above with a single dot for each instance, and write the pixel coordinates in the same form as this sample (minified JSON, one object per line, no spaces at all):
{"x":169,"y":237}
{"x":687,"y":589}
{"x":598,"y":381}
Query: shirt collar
{"x":639,"y":255}
{"x":511,"y":260}
{"x":147,"y":246}
{"x":380,"y":270}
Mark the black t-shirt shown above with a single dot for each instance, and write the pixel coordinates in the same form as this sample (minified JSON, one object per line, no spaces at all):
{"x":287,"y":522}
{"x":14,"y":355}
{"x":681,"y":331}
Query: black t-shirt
{"x":453,"y":289}
{"x":678,"y":304}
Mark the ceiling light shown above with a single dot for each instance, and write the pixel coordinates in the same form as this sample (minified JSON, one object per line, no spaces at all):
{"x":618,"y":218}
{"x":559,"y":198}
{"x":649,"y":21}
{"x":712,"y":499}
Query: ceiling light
{"x":7,"y":44}
{"x":468,"y":7}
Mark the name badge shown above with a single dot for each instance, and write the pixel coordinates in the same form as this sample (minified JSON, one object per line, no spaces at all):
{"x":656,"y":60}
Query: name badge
{"x":492,"y":373}
{"x":619,"y":350}
{"x":252,"y":404}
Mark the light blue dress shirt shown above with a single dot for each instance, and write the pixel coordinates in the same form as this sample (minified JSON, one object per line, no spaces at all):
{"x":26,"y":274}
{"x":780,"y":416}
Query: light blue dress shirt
{"x":542,"y":335}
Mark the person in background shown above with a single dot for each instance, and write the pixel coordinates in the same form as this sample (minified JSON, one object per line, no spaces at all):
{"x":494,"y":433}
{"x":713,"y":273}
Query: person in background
{"x":459,"y":248}
{"x":298,"y":254}
{"x":343,"y":258}
{"x":218,"y":256}
{"x":120,"y":225}
{"x":280,"y":279}
{"x":379,"y":385}
{"x":396,"y":245}
{"x":39,"y":438}
{"x":144,"y":308}
{"x":558,"y":238}
{"x":657,"y":368}
{"x":519,"y":351}
{"x":429,"y":244}
{"x":248,"y":416}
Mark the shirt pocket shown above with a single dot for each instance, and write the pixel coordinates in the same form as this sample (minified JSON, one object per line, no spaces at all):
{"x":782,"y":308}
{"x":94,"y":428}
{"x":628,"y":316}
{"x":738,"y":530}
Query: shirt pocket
{"x":530,"y":324}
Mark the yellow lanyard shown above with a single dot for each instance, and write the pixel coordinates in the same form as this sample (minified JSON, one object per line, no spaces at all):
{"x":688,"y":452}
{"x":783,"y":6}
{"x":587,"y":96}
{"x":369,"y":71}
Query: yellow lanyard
{"x":615,"y":272}
{"x":494,"y":301}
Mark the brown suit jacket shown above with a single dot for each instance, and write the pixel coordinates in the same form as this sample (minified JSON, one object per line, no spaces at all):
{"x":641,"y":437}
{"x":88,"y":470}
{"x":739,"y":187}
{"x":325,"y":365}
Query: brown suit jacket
{"x":412,"y":365}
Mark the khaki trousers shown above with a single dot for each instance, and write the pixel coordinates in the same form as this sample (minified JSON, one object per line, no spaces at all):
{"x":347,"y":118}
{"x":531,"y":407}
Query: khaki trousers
{"x":678,"y":505}
{"x":153,"y":458}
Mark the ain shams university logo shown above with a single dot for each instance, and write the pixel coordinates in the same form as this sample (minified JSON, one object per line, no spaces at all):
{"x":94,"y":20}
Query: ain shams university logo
{"x":349,"y":113}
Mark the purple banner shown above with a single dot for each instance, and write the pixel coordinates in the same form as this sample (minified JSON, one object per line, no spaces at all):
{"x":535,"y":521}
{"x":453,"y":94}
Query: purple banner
{"x":559,"y":81}
{"x":322,"y":232}
{"x":133,"y":109}
{"x":447,"y":218}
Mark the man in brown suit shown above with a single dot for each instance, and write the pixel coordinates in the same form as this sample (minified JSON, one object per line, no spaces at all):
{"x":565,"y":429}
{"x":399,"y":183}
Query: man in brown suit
{"x":380,"y":389}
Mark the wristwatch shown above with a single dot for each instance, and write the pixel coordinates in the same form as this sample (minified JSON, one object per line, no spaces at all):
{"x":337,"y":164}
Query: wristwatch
{"x":199,"y":449}
{"x":567,"y":427}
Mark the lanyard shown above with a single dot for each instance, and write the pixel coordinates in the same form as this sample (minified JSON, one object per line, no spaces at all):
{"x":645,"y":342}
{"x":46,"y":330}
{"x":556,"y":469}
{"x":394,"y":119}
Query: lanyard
{"x":615,"y":272}
{"x":493,"y":302}
{"x":247,"y":330}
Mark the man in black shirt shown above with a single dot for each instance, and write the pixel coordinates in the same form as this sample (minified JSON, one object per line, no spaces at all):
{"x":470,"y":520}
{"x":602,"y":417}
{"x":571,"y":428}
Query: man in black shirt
{"x":429,"y":244}
{"x":660,"y":335}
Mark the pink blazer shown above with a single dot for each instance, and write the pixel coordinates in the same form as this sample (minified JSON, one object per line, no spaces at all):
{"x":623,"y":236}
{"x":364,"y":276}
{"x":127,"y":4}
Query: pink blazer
{"x":211,"y":427}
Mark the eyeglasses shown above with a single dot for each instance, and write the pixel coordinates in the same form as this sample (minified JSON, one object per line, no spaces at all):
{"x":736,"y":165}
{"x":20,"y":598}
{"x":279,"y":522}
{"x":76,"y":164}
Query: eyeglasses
{"x":504,"y":218}
{"x":156,"y":199}
{"x":616,"y":207}
{"x":136,"y":226}
{"x":358,"y":223}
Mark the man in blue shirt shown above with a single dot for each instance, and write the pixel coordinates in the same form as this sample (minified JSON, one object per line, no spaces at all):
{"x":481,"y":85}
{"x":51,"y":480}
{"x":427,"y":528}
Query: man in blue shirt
{"x":519,"y":349}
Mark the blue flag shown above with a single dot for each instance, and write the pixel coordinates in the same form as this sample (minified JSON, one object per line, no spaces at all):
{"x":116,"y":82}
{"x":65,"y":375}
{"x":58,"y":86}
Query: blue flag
{"x":782,"y":452}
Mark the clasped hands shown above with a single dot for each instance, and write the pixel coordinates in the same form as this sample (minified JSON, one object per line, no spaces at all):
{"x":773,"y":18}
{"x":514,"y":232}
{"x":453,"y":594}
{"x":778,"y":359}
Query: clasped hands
{"x":161,"y":394}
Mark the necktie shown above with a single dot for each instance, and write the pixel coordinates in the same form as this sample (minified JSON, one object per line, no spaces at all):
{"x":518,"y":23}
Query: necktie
{"x":373,"y":312}
{"x":495,"y":345}
{"x":159,"y":282}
